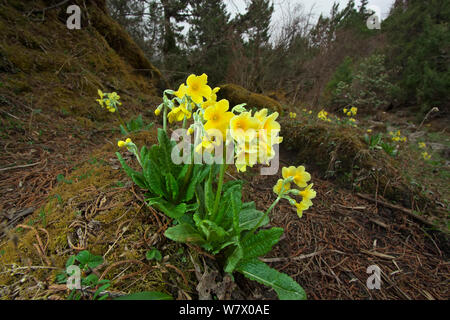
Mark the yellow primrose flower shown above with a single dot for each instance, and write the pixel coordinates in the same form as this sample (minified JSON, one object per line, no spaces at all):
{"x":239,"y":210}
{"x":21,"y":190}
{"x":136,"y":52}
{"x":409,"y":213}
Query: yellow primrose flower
{"x":352,"y":120}
{"x":197,"y":88}
{"x":292,"y":115}
{"x":181,"y":92}
{"x":157,"y":112}
{"x":218,"y":117}
{"x":301,"y":177}
{"x":426,"y":156}
{"x":178,"y":114}
{"x":242,"y":123}
{"x":345,"y":110}
{"x":304,"y":110}
{"x":211,"y":100}
{"x":310,"y":111}
{"x":307,"y":194}
{"x":269,"y":124}
{"x":323,"y":115}
{"x":369,"y":130}
{"x":190,"y":131}
{"x":124,"y":143}
{"x":209,"y":142}
{"x":245,"y":159}
{"x":261,"y":115}
{"x":100,"y":93}
{"x":302,"y":206}
{"x":278,"y":187}
{"x":354,"y":110}
{"x":422,"y":145}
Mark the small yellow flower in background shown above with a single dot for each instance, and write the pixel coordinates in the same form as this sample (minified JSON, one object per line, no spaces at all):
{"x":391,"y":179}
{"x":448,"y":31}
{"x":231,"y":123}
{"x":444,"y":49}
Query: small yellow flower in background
{"x":301,"y":177}
{"x":310,"y":111}
{"x":157,"y":112}
{"x":178,"y":114}
{"x":422,"y":145}
{"x":345,"y":110}
{"x":397,"y":136}
{"x":304,"y":110}
{"x":426,"y":156}
{"x":197,"y":87}
{"x":292,"y":115}
{"x":369,"y":130}
{"x":323,"y":115}
{"x":352,"y":120}
{"x":122,"y":144}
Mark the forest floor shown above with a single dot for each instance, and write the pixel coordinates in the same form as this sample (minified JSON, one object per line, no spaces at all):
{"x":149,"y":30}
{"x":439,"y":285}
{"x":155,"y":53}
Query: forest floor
{"x":327,"y":251}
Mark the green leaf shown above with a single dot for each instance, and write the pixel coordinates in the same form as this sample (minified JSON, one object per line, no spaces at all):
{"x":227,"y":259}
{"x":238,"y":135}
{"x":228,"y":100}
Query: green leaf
{"x":146,"y":295}
{"x":233,"y":259}
{"x":70,"y":261}
{"x":285,"y":287}
{"x":168,"y":208}
{"x":153,"y":175}
{"x":172,"y":186}
{"x":259,"y":244}
{"x":128,"y":170}
{"x":153,"y":254}
{"x":249,"y":218}
{"x":184,"y":233}
{"x":236,"y":205}
{"x":209,"y":195}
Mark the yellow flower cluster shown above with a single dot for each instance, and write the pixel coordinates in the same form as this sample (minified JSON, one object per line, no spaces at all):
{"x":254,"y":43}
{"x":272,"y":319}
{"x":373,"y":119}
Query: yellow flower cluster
{"x":300,"y":178}
{"x":199,"y":92}
{"x":422,"y":145}
{"x":350,"y":112}
{"x":292,"y":115}
{"x":397,"y":137}
{"x":255,"y":137}
{"x":109,"y":100}
{"x":323,"y":115}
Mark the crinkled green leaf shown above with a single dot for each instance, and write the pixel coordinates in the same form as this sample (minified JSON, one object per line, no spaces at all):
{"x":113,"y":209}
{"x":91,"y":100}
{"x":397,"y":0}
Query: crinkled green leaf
{"x":184,"y":233}
{"x":146,"y":295}
{"x":259,"y":244}
{"x":285,"y":287}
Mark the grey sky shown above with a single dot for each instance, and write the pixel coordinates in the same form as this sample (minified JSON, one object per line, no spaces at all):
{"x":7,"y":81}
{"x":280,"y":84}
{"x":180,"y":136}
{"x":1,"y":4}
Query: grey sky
{"x":319,"y":6}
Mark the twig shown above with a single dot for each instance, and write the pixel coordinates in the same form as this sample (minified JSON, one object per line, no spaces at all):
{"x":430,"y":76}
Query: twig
{"x":300,"y":257}
{"x":20,"y":166}
{"x":399,"y":208}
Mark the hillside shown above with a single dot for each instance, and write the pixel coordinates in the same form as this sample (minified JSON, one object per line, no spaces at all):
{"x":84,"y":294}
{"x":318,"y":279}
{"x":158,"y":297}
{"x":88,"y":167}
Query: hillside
{"x":64,"y":190}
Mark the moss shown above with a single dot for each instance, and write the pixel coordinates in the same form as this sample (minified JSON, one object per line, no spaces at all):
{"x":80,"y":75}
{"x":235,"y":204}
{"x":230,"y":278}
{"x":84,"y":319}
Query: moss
{"x":237,"y":95}
{"x":75,"y":206}
{"x":340,"y":153}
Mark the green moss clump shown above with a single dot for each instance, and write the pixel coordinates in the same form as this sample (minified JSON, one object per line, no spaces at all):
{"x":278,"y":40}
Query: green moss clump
{"x":237,"y":95}
{"x":340,"y":153}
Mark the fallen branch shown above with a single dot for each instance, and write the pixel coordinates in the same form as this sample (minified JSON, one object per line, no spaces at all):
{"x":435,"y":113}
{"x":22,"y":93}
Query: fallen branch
{"x":399,"y":208}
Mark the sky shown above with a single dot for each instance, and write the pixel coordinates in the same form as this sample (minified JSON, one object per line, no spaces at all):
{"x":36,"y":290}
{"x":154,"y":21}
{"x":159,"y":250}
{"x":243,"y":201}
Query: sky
{"x":318,"y":6}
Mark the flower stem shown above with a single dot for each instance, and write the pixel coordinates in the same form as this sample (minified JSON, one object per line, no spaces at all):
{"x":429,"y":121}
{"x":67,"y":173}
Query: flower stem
{"x":165,"y":119}
{"x":223,"y":168}
{"x":122,"y":122}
